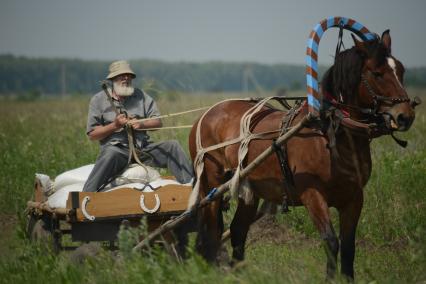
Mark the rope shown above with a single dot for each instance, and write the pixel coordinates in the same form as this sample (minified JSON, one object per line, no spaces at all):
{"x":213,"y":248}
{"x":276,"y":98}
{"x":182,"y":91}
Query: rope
{"x":171,"y":114}
{"x":278,"y":98}
{"x":166,"y":127}
{"x":199,"y":159}
{"x":246,"y":136}
{"x":132,"y":149}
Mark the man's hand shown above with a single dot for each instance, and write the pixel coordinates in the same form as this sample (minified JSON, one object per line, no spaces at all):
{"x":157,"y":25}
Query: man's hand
{"x":146,"y":124}
{"x":135,"y":124}
{"x":120,"y":120}
{"x":102,"y":131}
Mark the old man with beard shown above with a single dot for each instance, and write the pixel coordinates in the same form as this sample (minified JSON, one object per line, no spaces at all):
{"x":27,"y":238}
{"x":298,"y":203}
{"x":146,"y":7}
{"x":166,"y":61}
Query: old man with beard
{"x":105,"y":126}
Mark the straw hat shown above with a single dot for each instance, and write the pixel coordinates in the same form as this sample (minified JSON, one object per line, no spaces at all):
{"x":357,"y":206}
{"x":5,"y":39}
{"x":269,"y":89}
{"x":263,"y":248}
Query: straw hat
{"x":119,"y":67}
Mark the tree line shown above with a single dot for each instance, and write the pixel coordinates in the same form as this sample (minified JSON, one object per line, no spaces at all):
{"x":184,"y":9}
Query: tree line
{"x":21,"y":75}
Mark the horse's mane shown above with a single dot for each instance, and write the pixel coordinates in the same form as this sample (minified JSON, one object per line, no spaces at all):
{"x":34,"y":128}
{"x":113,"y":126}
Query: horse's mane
{"x":344,"y":76}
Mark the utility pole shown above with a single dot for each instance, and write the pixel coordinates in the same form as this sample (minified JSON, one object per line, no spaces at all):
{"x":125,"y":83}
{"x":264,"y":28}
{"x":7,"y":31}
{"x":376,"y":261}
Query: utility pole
{"x":245,"y":79}
{"x":248,"y":75}
{"x":63,"y":80}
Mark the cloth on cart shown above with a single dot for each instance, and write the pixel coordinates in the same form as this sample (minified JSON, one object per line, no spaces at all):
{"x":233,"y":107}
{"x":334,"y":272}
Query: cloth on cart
{"x":135,"y":176}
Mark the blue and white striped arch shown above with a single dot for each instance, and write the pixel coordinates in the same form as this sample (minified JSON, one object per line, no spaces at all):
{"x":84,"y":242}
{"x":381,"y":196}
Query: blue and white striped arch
{"x":312,"y":53}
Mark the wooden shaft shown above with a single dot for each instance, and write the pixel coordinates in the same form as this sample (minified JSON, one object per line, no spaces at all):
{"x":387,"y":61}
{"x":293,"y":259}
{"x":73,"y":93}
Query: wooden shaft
{"x":44,"y":207}
{"x":291,"y":98}
{"x":224,"y":187}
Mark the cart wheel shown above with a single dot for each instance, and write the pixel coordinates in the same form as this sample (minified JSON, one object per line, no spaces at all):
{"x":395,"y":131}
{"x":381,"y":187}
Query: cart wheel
{"x":45,"y":231}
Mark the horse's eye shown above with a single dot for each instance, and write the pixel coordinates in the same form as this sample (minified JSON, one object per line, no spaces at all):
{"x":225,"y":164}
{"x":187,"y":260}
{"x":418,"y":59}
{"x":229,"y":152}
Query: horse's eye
{"x":377,"y":74}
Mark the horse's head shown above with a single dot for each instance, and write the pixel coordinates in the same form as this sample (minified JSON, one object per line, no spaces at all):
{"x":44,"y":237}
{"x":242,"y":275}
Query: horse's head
{"x":370,"y":80}
{"x":381,"y":87}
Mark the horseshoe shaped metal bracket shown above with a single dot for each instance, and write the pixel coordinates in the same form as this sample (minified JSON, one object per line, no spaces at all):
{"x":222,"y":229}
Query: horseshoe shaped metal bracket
{"x":86,"y":199}
{"x":147,"y":210}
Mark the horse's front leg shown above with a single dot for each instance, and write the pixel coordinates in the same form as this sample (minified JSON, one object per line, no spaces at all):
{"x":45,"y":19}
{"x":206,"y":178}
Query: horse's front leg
{"x":243,"y":218}
{"x":349,"y":217}
{"x":318,"y":211}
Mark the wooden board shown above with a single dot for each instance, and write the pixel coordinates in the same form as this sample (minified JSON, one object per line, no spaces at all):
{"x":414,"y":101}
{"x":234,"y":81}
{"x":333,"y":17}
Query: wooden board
{"x":38,"y":192}
{"x":126,"y":202}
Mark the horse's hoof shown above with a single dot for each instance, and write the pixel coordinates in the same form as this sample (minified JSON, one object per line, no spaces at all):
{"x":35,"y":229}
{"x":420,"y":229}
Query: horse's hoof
{"x":226,"y":205}
{"x":237,"y":264}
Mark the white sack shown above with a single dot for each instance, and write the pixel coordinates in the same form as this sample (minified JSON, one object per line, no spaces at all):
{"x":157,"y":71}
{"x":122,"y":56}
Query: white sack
{"x":59,"y":198}
{"x":78,"y":175}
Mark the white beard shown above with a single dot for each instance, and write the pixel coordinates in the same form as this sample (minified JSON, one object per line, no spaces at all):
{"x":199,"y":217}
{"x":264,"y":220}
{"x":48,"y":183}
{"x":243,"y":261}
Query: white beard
{"x":123,"y":91}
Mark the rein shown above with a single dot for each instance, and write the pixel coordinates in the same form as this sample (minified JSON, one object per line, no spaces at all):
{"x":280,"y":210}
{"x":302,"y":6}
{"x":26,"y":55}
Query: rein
{"x":172,"y":114}
{"x":281,"y":100}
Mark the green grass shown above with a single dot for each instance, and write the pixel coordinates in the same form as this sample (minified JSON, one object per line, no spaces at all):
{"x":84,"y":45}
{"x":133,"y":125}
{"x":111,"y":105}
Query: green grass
{"x":48,"y":136}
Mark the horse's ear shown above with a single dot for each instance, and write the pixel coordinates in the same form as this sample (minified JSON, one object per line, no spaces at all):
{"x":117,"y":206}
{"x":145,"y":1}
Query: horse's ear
{"x":386,"y":40}
{"x":358,"y":44}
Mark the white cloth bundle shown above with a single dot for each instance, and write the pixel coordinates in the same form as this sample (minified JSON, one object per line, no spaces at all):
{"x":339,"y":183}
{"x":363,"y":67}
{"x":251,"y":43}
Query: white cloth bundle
{"x":75,"y":176}
{"x":135,"y":176}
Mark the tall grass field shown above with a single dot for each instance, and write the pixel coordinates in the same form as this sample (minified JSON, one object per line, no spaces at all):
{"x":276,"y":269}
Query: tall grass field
{"x":48,"y":136}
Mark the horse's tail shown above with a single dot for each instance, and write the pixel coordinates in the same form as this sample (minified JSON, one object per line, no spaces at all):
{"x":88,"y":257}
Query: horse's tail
{"x":195,"y":193}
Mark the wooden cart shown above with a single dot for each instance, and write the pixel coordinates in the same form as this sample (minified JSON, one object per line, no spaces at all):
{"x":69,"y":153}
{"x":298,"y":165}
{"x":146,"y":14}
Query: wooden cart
{"x":97,"y":216}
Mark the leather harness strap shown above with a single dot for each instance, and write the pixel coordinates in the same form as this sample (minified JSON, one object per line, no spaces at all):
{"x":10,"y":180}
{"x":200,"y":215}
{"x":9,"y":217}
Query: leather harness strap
{"x":286,"y":173}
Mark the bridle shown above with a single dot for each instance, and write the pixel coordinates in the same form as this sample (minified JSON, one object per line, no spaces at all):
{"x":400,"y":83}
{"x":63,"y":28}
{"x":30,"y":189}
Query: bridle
{"x":371,"y":113}
{"x":381,"y":99}
{"x":375,"y":120}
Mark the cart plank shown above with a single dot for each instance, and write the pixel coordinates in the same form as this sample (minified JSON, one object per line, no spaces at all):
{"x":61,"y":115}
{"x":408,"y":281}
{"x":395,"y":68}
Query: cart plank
{"x":126,"y":202}
{"x":38,"y":192}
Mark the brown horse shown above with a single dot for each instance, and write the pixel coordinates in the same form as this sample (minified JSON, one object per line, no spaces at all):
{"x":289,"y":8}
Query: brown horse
{"x":365,"y":84}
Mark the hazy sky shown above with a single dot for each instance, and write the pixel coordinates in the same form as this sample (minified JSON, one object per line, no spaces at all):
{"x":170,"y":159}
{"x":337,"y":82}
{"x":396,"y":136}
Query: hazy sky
{"x":265,"y":31}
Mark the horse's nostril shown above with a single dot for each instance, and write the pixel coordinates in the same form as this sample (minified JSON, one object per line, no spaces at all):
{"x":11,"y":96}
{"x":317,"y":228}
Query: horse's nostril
{"x":404,"y":121}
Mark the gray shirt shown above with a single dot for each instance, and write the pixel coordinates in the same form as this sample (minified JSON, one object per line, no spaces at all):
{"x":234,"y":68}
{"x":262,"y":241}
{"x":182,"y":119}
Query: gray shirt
{"x":101,"y":112}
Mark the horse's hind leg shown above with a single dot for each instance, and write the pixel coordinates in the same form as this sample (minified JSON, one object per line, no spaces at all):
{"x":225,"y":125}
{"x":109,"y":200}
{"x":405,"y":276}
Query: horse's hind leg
{"x":210,"y":231}
{"x":318,"y":211}
{"x":349,"y":217}
{"x":181,"y":236}
{"x":243,"y":218}
{"x":210,"y":226}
